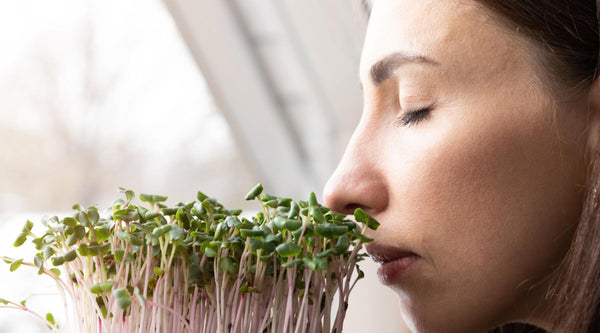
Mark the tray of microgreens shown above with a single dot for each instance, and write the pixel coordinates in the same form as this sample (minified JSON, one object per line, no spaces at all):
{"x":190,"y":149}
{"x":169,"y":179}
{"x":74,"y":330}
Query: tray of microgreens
{"x":199,"y":267}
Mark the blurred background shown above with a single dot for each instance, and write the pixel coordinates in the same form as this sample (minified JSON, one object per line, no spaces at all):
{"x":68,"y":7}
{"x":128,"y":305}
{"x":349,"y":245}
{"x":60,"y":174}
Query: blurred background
{"x":171,"y":97}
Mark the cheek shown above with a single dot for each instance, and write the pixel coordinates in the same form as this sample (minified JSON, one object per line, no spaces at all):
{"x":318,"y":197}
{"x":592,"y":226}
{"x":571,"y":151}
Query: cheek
{"x":499,"y":171}
{"x":488,"y":200}
{"x":481,"y":177}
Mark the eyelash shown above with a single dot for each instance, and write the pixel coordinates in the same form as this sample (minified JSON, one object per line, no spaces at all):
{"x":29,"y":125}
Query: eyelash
{"x":413,"y":117}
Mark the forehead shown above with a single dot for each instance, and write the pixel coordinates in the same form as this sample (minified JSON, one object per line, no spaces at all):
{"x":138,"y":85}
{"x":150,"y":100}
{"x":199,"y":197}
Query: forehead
{"x":458,"y":34}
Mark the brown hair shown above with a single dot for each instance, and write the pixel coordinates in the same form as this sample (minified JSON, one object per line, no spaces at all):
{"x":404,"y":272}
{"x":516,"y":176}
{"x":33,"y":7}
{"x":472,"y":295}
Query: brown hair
{"x":566,"y":33}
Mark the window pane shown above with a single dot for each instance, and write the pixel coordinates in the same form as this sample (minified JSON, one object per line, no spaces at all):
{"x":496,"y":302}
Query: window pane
{"x":100,"y":94}
{"x":95,"y":95}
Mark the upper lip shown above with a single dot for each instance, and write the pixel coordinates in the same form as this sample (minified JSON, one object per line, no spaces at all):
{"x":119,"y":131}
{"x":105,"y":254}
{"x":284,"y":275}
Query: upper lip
{"x":383,"y":253}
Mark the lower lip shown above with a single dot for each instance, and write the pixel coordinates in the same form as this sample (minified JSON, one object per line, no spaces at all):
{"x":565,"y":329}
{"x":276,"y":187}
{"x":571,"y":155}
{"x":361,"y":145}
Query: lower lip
{"x":391,"y":271}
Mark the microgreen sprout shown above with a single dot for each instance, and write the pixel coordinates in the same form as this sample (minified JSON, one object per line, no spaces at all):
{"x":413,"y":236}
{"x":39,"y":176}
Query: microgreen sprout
{"x":199,"y":267}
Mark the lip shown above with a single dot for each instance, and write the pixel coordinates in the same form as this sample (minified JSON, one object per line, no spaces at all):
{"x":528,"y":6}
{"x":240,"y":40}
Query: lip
{"x":394,"y":262}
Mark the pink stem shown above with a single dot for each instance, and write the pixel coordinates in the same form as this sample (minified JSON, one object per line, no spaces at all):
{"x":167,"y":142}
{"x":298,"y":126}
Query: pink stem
{"x":175,"y":314}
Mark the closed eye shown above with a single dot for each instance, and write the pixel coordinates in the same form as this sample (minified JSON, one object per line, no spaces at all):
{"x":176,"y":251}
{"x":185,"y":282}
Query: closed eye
{"x":413,"y":117}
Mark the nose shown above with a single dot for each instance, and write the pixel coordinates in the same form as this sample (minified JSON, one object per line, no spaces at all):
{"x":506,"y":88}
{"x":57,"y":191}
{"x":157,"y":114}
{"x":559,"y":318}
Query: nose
{"x":358,"y":181}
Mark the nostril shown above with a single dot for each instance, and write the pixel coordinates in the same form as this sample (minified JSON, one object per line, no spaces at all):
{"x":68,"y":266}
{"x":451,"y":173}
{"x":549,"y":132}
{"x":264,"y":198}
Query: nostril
{"x":346,"y":197}
{"x":370,"y":195}
{"x":350,"y":208}
{"x":355,"y":187}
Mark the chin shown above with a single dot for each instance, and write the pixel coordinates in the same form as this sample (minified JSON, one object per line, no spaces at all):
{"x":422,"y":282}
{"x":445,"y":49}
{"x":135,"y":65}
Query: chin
{"x":437,"y":317}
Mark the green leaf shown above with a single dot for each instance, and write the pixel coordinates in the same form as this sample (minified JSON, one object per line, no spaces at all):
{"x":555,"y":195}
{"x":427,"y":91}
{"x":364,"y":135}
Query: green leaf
{"x":206,"y":205}
{"x":342,"y":245}
{"x":232,"y":222}
{"x":351,"y":225}
{"x":288,"y":249}
{"x":84,"y":250}
{"x":219,"y":230}
{"x":325,"y":253}
{"x":316,"y":264}
{"x":128,"y":194}
{"x":56,"y":271}
{"x":20,"y":240}
{"x":228,"y":265}
{"x":292,"y":263}
{"x":201,"y":196}
{"x":57,"y":260}
{"x":330,"y":230}
{"x":267,"y":197}
{"x":70,"y":256}
{"x":210,"y":252}
{"x":119,"y":253}
{"x":103,"y":310}
{"x":317,"y":214}
{"x":3,"y":301}
{"x":126,"y":214}
{"x":152,"y":198}
{"x":272,"y":203}
{"x":312,"y":200}
{"x":69,"y":221}
{"x":147,"y":214}
{"x":39,"y":243}
{"x":292,"y":225}
{"x":361,"y":216}
{"x":294,"y":210}
{"x":183,"y":218}
{"x":195,"y":274}
{"x":255,"y":244}
{"x":254,"y":192}
{"x":361,"y":237}
{"x":268,"y":248}
{"x":124,"y":302}
{"x":158,"y":271}
{"x":98,"y":249}
{"x":121,"y":292}
{"x":157,"y":232}
{"x":82,"y":218}
{"x":15,"y":265}
{"x":235,"y":212}
{"x":139,"y":296}
{"x":123,"y":235}
{"x":129,"y":258}
{"x":71,"y":240}
{"x":102,"y":233}
{"x":79,"y":232}
{"x":135,"y":240}
{"x":117,"y":203}
{"x":93,"y":216}
{"x":38,"y":261}
{"x":279,"y":222}
{"x":50,"y":318}
{"x":361,"y":274}
{"x":252,"y":233}
{"x":102,"y":287}
{"x":168,"y":211}
{"x":27,"y":227}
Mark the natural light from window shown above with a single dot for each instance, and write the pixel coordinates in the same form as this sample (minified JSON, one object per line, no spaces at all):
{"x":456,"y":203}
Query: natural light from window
{"x":95,"y":95}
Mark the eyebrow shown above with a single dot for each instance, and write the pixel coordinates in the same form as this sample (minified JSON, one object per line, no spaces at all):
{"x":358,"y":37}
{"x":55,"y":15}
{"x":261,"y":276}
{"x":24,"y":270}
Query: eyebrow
{"x":384,"y":68}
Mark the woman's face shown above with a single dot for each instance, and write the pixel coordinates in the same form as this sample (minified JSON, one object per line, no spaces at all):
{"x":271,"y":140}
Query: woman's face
{"x":482,"y":186}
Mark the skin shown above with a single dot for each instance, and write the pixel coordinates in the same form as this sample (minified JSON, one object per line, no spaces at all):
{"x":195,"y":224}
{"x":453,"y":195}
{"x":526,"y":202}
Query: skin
{"x":487,"y":189}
